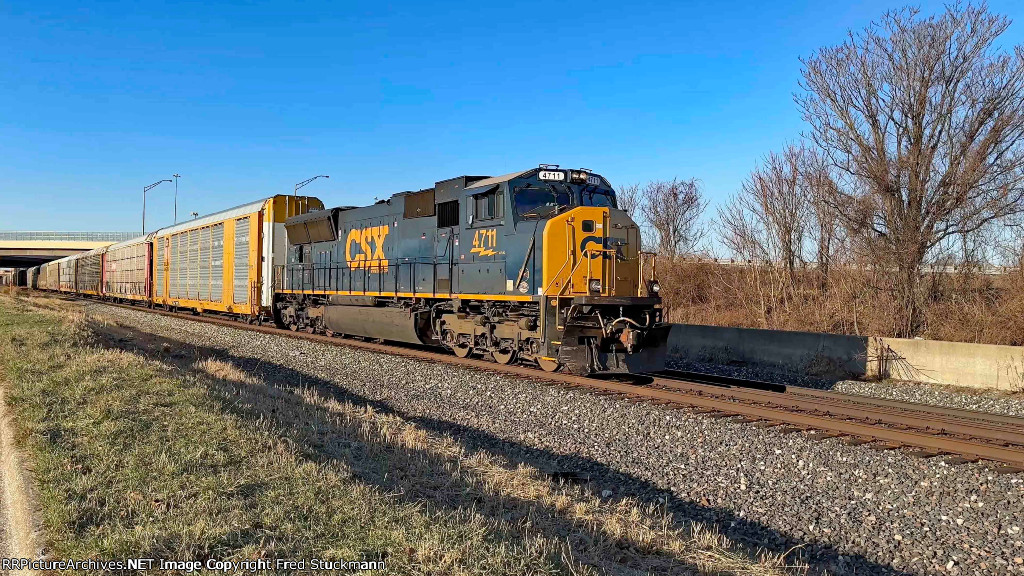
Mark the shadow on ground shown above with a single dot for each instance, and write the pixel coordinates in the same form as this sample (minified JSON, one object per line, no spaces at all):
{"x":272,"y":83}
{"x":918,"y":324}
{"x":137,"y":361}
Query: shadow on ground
{"x":616,"y":558}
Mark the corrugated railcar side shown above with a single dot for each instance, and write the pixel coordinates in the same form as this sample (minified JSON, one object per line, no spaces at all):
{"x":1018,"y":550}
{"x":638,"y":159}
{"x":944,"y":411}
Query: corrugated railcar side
{"x":89,"y":271}
{"x":225,"y":261}
{"x":126,"y":269}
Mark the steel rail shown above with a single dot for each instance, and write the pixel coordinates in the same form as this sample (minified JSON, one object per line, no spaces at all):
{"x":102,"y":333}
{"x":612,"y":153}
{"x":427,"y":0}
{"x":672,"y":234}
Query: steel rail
{"x":1015,"y":421}
{"x":861,"y":411}
{"x":933,"y":444}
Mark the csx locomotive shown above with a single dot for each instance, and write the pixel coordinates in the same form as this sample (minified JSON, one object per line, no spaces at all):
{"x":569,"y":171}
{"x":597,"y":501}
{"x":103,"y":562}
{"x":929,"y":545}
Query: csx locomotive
{"x":538,"y":266}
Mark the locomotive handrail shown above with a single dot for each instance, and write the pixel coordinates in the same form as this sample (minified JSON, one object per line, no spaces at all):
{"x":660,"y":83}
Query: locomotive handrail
{"x":586,"y":255}
{"x":322,"y":275}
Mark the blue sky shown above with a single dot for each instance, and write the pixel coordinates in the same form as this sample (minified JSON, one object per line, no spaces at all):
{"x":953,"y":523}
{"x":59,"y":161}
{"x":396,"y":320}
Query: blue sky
{"x":245,"y":99}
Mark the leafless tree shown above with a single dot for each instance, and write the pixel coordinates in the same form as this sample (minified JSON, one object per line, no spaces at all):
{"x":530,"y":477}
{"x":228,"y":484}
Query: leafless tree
{"x":672,"y":210}
{"x":628,"y":198}
{"x":826,"y":230}
{"x":924,"y":118}
{"x":767,"y":221}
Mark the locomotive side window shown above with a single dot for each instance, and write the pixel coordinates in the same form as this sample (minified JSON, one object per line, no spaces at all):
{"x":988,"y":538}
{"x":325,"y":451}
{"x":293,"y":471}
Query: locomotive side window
{"x":488,"y":206}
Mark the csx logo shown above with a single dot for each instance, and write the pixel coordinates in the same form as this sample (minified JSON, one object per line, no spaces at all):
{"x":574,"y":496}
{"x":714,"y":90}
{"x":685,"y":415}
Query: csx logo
{"x":596,"y":251}
{"x":358,"y":250}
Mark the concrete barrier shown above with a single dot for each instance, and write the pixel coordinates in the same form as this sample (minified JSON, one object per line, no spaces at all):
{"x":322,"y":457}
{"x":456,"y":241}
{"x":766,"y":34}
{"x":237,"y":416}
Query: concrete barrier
{"x":808,"y":353}
{"x":956,"y":363}
{"x":836,"y":356}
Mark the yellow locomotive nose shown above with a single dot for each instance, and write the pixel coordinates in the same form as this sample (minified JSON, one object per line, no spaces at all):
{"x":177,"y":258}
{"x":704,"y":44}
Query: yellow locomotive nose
{"x":591,"y":251}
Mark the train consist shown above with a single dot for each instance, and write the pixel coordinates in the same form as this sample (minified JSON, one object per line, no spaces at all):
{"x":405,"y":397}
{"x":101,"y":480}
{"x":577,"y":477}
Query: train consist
{"x":537,"y":266}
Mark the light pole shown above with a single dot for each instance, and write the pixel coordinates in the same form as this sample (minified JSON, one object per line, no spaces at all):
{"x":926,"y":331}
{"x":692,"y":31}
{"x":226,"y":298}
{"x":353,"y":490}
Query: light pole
{"x":304,"y":182}
{"x":176,"y":176}
{"x":144,"y":190}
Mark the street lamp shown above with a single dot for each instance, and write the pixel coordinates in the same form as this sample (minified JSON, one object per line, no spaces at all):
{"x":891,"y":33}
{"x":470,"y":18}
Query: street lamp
{"x":144,"y":190}
{"x":304,"y":182}
{"x":176,"y":176}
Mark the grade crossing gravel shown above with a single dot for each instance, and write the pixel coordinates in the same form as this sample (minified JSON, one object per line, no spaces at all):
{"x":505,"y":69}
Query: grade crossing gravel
{"x":844,"y":509}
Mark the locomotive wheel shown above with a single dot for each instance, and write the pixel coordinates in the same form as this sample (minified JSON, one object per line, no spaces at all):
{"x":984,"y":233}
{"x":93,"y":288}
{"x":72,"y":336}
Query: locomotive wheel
{"x":462,"y":351}
{"x":548,"y":365}
{"x":503,"y":356}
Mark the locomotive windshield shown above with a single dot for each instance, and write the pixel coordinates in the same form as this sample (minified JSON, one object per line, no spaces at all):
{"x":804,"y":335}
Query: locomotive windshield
{"x":595,"y":196}
{"x":541,"y":200}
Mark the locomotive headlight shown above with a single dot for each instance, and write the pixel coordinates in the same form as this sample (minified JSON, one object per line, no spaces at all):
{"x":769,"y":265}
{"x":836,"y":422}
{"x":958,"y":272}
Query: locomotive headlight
{"x":577,"y":177}
{"x":654,"y":287}
{"x":594,"y":285}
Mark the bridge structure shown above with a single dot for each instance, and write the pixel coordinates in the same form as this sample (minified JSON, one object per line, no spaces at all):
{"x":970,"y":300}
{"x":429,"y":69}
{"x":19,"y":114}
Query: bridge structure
{"x":24,"y":249}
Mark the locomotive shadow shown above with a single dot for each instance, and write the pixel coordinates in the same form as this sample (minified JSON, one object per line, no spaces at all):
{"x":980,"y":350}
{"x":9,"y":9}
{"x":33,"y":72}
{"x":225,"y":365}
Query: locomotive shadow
{"x":458,"y":493}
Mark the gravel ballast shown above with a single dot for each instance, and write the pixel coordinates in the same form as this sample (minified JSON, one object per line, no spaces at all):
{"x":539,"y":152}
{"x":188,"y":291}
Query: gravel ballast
{"x":844,"y":509}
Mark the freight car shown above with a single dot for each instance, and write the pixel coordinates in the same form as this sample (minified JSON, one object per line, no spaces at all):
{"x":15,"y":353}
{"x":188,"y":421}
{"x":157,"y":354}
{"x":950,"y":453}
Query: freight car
{"x":224,"y":262}
{"x":215,"y":263}
{"x":538,"y":265}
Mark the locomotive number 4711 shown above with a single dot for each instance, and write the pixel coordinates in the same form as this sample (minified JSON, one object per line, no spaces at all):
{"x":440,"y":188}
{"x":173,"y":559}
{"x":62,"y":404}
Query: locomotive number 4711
{"x":484,"y":242}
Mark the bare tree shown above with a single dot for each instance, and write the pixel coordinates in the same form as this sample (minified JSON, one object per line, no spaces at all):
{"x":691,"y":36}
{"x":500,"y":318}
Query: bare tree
{"x":628,"y":199}
{"x":772,"y":222}
{"x":767,"y":220}
{"x":924,"y":117}
{"x":672,"y":209}
{"x":826,"y":231}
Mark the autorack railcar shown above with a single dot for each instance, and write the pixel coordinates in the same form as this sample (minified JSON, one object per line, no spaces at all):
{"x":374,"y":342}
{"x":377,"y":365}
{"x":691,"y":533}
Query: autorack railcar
{"x":225,"y":262}
{"x":538,"y":265}
{"x":220,"y":263}
{"x":126,"y":269}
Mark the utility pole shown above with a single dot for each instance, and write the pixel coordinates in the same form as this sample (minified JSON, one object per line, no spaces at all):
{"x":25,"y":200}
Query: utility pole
{"x":304,"y":182}
{"x":176,"y":176}
{"x":144,"y":190}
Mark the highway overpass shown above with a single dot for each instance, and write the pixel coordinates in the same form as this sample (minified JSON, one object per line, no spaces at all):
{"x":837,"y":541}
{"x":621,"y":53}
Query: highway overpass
{"x":24,"y":249}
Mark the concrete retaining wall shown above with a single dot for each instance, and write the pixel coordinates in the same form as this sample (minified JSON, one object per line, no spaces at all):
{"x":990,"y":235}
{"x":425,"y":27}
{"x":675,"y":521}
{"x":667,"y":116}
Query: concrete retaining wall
{"x":833,"y":356}
{"x":956,"y":363}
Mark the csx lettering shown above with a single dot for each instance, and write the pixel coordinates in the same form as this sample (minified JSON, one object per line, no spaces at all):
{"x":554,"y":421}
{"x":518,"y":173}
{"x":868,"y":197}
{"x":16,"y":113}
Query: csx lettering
{"x":358,"y":250}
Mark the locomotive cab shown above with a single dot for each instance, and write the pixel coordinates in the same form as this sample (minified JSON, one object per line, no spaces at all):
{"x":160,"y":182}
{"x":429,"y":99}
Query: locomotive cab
{"x":600,"y":313}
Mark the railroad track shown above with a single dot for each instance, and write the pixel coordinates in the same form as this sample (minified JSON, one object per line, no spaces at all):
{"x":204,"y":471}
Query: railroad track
{"x":929,"y":431}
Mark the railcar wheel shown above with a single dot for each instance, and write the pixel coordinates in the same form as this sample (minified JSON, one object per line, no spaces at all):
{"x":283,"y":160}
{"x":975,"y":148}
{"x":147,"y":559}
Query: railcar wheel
{"x":503,"y":356}
{"x":462,"y":351}
{"x":548,"y":365}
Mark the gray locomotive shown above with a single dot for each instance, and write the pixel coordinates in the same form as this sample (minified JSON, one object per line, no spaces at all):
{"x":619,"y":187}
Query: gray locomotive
{"x":537,"y":266}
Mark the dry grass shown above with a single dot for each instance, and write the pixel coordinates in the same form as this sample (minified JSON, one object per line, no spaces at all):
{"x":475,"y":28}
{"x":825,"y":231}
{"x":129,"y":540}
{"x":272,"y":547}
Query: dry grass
{"x":957,"y":307}
{"x":192,"y":457}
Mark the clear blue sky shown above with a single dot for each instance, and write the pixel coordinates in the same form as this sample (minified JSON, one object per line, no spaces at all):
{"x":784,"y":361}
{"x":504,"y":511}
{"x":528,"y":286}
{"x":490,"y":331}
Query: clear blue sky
{"x":244,"y":100}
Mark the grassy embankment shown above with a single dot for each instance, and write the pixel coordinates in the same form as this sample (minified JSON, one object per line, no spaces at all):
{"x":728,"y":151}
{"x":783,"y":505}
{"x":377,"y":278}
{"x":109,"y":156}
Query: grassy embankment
{"x":183,"y":457}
